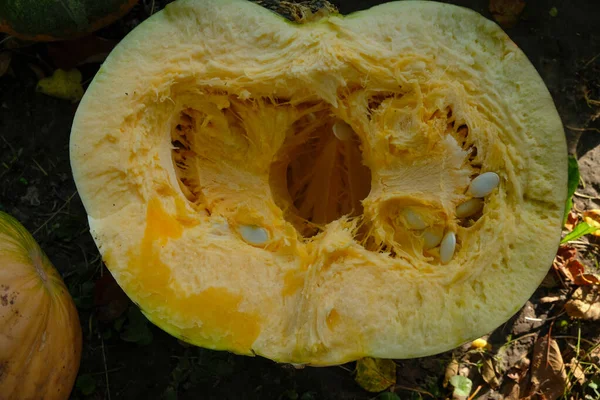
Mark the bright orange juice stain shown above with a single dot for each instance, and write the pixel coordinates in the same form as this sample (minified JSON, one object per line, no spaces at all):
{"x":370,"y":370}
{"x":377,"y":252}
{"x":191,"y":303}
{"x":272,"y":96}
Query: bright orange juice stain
{"x":215,"y":309}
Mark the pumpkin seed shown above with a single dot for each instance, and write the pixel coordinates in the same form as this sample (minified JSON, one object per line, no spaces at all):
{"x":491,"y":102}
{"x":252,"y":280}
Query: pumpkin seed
{"x":413,"y":219}
{"x":447,"y":247}
{"x":484,"y":184}
{"x":469,"y":207}
{"x":432,"y":237}
{"x":342,"y":130}
{"x":253,"y":234}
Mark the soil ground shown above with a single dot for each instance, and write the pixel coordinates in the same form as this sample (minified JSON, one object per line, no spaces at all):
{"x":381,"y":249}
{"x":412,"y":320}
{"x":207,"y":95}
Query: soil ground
{"x":126,"y":358}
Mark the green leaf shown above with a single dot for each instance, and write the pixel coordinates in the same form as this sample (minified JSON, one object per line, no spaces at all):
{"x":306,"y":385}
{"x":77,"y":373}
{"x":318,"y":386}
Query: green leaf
{"x":86,"y":384}
{"x":388,"y":396}
{"x":572,"y":184}
{"x":580,"y":230}
{"x":462,"y":386}
{"x":553,"y":12}
{"x":137,"y":330}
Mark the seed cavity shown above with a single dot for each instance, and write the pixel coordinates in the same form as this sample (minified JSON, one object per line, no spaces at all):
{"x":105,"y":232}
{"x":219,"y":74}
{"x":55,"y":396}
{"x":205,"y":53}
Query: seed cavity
{"x":447,"y":247}
{"x":413,"y":219}
{"x":342,"y":130}
{"x":254,"y":235}
{"x":469,"y":208}
{"x":484,"y":184}
{"x":432,"y":237}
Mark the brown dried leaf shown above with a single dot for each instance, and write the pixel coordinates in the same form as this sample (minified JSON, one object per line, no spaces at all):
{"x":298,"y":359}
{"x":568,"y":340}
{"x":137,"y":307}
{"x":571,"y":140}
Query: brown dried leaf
{"x":585,"y":303}
{"x":548,"y":375}
{"x":506,"y":12}
{"x":451,"y":370}
{"x":592,"y":217}
{"x":375,"y":374}
{"x":577,"y":370}
{"x":572,"y":220}
{"x":488,"y":372}
{"x":566,"y":252}
{"x":587,"y":279}
{"x":571,"y":269}
{"x":5,"y":59}
{"x":574,"y":271}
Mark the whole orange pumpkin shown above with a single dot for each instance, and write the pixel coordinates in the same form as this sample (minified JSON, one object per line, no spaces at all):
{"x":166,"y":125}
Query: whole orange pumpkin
{"x":40,"y":335}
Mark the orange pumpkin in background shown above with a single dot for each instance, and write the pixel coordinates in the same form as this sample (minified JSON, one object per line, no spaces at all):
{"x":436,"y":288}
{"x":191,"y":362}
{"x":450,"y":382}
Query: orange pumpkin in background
{"x":40,"y":335}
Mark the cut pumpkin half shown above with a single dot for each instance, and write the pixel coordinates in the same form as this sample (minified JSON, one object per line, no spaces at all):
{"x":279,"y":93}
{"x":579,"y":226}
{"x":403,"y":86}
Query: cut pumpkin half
{"x":389,"y":183}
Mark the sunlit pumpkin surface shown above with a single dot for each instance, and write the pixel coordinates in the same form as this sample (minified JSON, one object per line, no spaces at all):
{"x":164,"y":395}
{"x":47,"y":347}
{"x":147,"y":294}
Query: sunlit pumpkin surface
{"x":291,"y":191}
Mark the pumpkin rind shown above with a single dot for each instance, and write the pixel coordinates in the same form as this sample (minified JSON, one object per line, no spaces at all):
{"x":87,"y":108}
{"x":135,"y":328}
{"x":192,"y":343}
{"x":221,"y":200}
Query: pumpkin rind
{"x":47,"y":20}
{"x":176,"y":159}
{"x":40,"y":335}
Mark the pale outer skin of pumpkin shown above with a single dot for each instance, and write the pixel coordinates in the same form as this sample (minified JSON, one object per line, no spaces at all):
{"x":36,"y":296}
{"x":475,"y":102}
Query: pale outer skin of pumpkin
{"x":329,"y":300}
{"x":40,"y":334}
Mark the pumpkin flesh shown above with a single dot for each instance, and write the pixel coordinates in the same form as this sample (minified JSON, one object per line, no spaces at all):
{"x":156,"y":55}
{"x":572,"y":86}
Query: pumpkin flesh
{"x":228,"y":126}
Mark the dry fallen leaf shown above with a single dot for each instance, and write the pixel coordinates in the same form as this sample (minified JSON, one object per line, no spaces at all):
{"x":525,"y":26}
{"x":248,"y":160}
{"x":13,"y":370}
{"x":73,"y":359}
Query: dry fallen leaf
{"x":375,"y":374}
{"x":572,"y":220}
{"x":548,"y":375}
{"x":585,"y":303}
{"x":571,"y":268}
{"x":506,"y":12}
{"x":575,"y":272}
{"x":592,"y":217}
{"x":577,"y":370}
{"x":62,"y":84}
{"x":451,"y":370}
{"x":489,"y":373}
{"x":566,"y":253}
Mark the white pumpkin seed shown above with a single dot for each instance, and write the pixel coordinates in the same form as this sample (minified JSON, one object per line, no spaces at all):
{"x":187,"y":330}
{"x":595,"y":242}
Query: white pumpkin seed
{"x":342,"y":130}
{"x":432,"y":237}
{"x":413,"y":219}
{"x":469,"y":207}
{"x":254,"y":234}
{"x":447,"y":247}
{"x":484,"y":184}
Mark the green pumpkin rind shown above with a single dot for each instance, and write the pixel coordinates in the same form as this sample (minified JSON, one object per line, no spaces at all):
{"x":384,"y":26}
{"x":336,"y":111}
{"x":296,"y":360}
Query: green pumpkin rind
{"x":46,"y":20}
